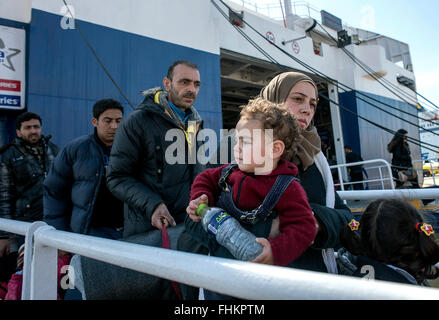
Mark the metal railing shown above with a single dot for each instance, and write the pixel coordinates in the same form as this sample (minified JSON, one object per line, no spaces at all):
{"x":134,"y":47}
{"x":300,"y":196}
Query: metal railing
{"x":271,"y":10}
{"x":382,"y":178}
{"x":403,"y":194}
{"x":432,"y":168}
{"x":27,"y":230}
{"x":237,"y":278}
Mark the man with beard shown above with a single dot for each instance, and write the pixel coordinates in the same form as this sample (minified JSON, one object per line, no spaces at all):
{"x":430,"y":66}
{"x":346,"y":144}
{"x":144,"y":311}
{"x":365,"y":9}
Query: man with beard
{"x":24,"y":164}
{"x":152,"y":162}
{"x":156,"y":190}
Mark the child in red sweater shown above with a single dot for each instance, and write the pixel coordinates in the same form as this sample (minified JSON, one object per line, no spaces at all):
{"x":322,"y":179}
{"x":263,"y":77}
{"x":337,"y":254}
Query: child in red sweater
{"x":283,"y":220}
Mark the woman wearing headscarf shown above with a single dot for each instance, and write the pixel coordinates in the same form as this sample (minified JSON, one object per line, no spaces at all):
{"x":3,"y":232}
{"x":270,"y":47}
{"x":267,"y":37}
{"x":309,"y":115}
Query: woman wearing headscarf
{"x":402,"y":167}
{"x":299,"y":92}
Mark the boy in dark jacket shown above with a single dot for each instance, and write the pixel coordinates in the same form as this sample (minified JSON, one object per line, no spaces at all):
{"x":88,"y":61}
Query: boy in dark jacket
{"x":285,"y":226}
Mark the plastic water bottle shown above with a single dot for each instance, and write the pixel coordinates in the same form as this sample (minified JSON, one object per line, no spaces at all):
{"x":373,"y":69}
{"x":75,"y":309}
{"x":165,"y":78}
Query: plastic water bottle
{"x":229,"y":233}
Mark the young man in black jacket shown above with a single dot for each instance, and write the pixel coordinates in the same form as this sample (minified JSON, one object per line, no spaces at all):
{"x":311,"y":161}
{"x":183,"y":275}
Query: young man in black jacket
{"x":76,"y":196}
{"x":24,"y":163}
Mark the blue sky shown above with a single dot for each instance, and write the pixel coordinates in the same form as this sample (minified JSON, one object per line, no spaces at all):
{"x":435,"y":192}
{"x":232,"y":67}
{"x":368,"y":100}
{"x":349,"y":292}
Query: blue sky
{"x":415,"y":22}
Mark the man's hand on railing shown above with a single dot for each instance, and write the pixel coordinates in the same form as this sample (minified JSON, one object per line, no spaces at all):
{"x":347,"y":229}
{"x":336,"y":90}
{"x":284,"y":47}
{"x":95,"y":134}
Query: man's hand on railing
{"x":4,"y":247}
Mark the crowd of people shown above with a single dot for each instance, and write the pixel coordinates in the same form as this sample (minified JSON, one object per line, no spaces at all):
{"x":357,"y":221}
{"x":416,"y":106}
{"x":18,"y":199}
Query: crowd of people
{"x":117,"y":182}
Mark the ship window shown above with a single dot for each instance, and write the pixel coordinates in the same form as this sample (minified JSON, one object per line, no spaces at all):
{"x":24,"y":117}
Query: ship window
{"x":317,"y":46}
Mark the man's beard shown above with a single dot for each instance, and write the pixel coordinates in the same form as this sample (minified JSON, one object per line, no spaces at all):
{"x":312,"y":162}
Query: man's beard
{"x":178,"y":101}
{"x":30,"y":142}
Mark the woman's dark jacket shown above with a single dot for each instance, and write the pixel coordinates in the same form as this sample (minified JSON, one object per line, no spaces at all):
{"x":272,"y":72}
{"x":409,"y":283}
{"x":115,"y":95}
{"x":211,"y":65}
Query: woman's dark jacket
{"x":332,"y":220}
{"x":401,"y":156}
{"x":21,"y":176}
{"x":149,"y":162}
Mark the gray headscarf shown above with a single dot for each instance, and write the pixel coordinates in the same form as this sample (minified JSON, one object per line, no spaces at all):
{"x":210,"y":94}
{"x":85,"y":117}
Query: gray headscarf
{"x":277,"y":91}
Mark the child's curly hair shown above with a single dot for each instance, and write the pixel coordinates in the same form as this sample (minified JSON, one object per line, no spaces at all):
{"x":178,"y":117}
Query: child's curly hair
{"x":276,"y":117}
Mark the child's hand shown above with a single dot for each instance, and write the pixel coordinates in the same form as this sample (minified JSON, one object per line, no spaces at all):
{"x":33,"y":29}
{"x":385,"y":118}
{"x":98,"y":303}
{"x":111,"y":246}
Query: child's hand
{"x":266,"y":257}
{"x":193,"y":205}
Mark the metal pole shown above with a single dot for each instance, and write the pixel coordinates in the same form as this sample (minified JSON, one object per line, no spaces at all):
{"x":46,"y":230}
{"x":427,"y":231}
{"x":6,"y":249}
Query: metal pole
{"x":44,"y":273}
{"x":337,"y":127}
{"x":27,"y":259}
{"x":236,"y":278}
{"x":14,"y":226}
{"x":381,"y":177}
{"x":407,"y":194}
{"x":340,"y":178}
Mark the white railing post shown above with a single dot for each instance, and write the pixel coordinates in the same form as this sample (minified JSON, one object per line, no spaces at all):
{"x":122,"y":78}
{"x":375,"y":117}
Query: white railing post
{"x":43,"y":283}
{"x":340,"y":178}
{"x":381,"y":177}
{"x":27,"y":259}
{"x":389,"y":171}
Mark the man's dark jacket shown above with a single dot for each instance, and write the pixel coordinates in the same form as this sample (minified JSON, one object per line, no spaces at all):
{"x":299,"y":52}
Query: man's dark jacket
{"x":21,"y":180}
{"x":354,"y":157}
{"x":139,"y":173}
{"x":73,"y":184}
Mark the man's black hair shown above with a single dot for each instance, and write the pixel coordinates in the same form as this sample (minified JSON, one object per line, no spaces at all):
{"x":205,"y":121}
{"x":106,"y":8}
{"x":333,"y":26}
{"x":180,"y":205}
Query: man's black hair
{"x":26,"y":116}
{"x":178,"y":62}
{"x":103,"y":105}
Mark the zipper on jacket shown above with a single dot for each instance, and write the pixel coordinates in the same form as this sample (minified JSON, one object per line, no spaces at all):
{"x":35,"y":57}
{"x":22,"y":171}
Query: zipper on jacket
{"x":98,"y":187}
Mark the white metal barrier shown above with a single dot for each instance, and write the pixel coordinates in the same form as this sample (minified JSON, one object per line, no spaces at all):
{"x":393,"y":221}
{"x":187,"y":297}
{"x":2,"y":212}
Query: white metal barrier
{"x":432,"y":167}
{"x":241,"y":279}
{"x":26,"y":229}
{"x":407,"y":194}
{"x":381,"y":179}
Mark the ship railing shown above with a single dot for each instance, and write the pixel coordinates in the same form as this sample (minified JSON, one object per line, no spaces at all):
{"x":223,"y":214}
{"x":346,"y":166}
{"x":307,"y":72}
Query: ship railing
{"x":403,"y":194}
{"x":236,"y":278}
{"x":270,"y":10}
{"x":432,"y":166}
{"x":274,"y":10}
{"x":27,"y":230}
{"x":381,"y":179}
